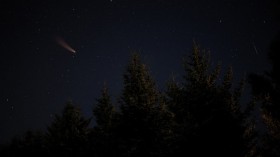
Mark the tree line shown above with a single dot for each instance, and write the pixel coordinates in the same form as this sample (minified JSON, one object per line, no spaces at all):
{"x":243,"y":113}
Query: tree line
{"x":202,"y":114}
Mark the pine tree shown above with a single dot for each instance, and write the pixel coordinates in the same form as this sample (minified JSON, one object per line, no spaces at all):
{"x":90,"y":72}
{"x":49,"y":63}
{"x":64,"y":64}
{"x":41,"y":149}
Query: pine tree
{"x":102,"y":137}
{"x":139,"y":88}
{"x":104,"y":111}
{"x":208,"y":115}
{"x":265,"y":90}
{"x":145,"y":120}
{"x":31,"y":143}
{"x":174,"y":98}
{"x":67,"y":135}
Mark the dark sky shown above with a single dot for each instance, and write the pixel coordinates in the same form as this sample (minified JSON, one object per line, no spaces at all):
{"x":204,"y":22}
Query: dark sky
{"x":38,"y":75}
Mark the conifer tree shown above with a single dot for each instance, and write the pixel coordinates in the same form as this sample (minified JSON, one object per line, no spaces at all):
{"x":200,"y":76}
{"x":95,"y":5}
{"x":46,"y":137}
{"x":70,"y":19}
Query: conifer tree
{"x":67,"y":135}
{"x":145,"y":120}
{"x":265,"y":90}
{"x":104,"y":111}
{"x":102,"y":137}
{"x":31,"y":143}
{"x":208,"y":115}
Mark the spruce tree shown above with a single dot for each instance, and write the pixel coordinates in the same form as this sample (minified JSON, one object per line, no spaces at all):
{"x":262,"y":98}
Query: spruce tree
{"x":67,"y":134}
{"x":32,"y":143}
{"x":145,"y":122}
{"x":104,"y":111}
{"x":207,"y":112}
{"x":103,"y":140}
{"x":265,"y":91}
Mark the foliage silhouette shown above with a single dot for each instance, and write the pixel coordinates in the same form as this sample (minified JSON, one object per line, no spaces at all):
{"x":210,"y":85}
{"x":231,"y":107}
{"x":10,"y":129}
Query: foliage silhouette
{"x":202,"y":114}
{"x":31,"y":143}
{"x":67,"y":135}
{"x":145,"y":121}
{"x":265,"y":89}
{"x":208,"y":115}
{"x":102,"y":137}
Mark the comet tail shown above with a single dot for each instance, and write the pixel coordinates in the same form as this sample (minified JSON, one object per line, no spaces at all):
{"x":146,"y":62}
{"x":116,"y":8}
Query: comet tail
{"x":62,"y":43}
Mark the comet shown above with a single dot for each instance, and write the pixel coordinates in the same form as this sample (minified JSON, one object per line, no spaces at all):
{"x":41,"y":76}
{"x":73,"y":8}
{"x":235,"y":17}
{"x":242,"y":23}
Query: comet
{"x":63,"y":44}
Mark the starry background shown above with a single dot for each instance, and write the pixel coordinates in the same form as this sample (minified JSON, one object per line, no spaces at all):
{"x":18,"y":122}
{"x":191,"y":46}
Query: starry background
{"x":38,"y":76}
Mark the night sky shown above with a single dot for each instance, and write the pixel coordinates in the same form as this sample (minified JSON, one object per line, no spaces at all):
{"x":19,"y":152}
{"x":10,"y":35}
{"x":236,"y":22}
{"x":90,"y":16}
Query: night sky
{"x":38,"y":75}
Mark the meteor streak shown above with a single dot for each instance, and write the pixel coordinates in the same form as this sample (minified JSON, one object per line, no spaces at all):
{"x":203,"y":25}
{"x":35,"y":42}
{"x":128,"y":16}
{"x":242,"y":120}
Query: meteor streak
{"x":255,"y":48}
{"x":63,"y":44}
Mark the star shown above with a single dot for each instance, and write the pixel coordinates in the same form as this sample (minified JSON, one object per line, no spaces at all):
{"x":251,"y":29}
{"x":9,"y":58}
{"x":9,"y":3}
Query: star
{"x":105,"y":34}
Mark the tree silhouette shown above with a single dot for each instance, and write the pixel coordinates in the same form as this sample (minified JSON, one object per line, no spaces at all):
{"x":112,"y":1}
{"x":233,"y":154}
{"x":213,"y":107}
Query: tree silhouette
{"x":208,"y":115}
{"x":103,"y":140}
{"x":104,"y":111}
{"x":145,"y":120}
{"x":67,"y":135}
{"x":265,"y":89}
{"x":202,"y":115}
{"x":32,"y":143}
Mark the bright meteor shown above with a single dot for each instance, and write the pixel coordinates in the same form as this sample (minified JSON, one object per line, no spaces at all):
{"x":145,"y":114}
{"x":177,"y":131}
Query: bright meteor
{"x":62,"y":43}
